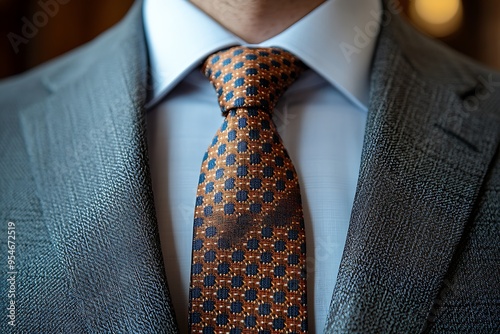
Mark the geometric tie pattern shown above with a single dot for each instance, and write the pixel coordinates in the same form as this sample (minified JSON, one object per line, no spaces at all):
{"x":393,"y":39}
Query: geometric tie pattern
{"x":248,"y":270}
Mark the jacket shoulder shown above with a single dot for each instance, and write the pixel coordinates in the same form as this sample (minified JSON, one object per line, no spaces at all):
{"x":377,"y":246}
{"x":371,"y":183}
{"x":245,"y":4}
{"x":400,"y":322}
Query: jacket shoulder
{"x":441,"y":66}
{"x":37,"y":84}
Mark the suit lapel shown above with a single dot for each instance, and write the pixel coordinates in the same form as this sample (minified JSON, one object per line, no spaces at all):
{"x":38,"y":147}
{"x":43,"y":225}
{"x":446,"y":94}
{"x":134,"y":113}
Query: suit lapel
{"x":89,"y":160}
{"x":424,"y":159}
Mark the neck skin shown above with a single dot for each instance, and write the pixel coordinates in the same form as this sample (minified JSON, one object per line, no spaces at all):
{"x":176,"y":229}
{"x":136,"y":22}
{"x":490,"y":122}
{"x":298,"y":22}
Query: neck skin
{"x":255,"y":21}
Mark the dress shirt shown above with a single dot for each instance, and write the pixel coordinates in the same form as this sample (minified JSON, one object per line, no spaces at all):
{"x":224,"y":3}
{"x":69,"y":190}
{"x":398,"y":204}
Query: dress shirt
{"x":321,"y":119}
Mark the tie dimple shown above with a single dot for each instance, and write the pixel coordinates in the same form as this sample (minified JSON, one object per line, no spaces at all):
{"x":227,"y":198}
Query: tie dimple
{"x":248,"y":266}
{"x":245,"y":77}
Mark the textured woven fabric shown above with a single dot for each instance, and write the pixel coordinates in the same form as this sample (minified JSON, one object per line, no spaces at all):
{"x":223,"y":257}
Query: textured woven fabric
{"x":249,"y":242}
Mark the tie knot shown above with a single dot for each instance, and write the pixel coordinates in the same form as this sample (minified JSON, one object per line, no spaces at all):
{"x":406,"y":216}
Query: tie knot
{"x":251,"y":77}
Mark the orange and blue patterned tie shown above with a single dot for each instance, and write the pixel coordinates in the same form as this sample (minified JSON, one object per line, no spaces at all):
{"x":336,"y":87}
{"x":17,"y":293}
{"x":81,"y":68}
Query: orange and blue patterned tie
{"x":248,"y":270}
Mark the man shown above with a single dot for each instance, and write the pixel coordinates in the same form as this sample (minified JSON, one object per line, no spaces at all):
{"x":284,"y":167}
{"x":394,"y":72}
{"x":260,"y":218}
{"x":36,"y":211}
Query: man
{"x":394,"y":136}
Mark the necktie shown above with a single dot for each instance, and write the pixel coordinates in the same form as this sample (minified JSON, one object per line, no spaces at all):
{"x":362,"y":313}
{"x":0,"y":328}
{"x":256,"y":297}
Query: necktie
{"x":248,"y":263}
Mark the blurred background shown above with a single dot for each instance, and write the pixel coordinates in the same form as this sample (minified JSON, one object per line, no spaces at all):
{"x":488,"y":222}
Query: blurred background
{"x":34,"y":31}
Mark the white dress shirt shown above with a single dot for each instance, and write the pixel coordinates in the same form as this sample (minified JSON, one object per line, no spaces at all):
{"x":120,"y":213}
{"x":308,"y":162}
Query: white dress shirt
{"x":321,"y":119}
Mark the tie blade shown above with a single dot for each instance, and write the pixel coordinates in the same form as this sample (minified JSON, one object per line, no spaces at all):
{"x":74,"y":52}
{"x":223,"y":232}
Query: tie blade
{"x":249,"y":256}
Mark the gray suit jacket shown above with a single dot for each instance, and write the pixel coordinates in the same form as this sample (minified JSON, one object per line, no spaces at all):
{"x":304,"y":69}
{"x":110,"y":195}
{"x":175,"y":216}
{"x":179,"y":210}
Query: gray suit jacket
{"x":423,"y":247}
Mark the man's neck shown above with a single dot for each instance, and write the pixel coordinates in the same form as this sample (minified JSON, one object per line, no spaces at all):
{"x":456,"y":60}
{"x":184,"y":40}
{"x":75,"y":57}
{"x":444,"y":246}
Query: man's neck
{"x":255,"y":21}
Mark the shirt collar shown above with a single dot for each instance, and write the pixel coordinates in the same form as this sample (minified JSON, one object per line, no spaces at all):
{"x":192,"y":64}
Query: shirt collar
{"x":336,"y":40}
